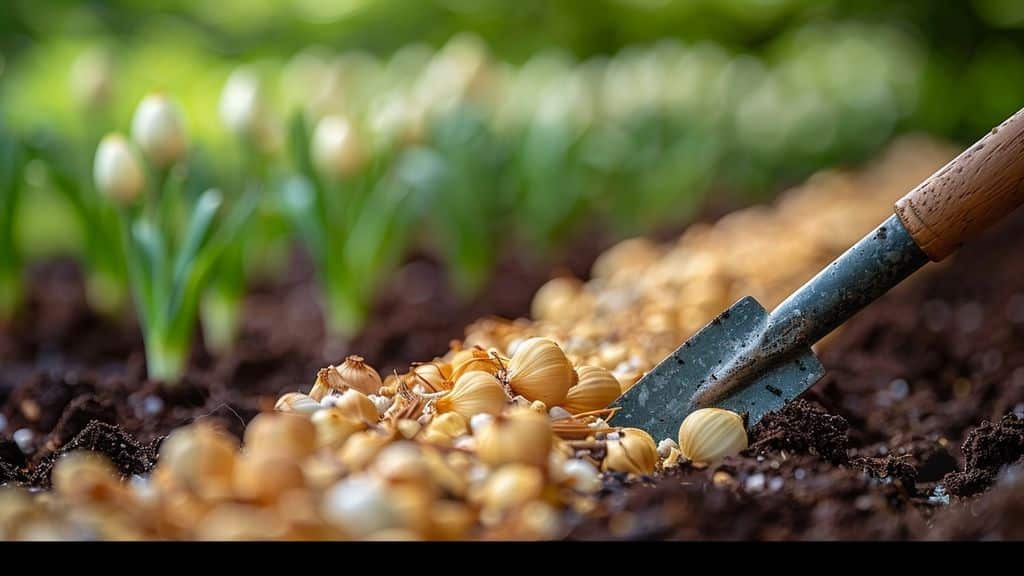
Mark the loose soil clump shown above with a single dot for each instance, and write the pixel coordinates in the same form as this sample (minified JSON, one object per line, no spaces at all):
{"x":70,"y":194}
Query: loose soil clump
{"x":988,"y":449}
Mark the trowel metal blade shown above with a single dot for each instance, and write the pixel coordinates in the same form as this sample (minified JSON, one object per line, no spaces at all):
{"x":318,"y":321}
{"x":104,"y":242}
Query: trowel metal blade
{"x":660,"y":400}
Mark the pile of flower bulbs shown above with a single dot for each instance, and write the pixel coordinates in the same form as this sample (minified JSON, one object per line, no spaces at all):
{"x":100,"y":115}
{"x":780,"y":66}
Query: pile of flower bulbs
{"x":508,"y":435}
{"x":644,"y":299}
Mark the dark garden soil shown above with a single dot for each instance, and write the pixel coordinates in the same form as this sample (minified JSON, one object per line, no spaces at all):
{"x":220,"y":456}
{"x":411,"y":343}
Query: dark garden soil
{"x":917,"y":432}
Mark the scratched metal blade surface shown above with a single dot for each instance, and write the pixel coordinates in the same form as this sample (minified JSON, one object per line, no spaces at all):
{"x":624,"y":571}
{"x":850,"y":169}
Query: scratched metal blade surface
{"x":661,"y":399}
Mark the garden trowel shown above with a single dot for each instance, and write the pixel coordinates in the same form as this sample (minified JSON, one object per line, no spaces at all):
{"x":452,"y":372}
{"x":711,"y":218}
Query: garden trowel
{"x":753,"y":362}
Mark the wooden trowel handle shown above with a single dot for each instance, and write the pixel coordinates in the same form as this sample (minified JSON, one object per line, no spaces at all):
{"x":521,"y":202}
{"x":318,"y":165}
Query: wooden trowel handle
{"x":966,"y":196}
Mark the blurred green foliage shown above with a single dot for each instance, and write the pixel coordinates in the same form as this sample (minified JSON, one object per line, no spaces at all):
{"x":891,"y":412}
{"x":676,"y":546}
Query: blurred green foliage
{"x":973,"y":47}
{"x":629,"y":111}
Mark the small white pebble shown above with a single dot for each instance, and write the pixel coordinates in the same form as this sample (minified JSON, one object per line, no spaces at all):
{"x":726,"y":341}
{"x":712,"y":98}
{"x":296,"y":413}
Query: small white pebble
{"x":464,"y":442}
{"x":899,"y":389}
{"x":142,"y":488}
{"x":23,"y":438}
{"x":939,"y":496}
{"x":755,"y":483}
{"x":799,"y":474}
{"x":558,"y":413}
{"x":381,"y":402}
{"x":612,"y":436}
{"x":775,"y":484}
{"x":936,"y":315}
{"x":991,"y":360}
{"x":969,"y":316}
{"x":478,"y":473}
{"x":598,"y":424}
{"x":583,"y":476}
{"x":153,"y":405}
{"x":665,"y":447}
{"x":478,"y":421}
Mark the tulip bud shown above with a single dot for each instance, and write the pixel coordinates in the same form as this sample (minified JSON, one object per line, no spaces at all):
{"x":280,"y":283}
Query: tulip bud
{"x":117,"y":171}
{"x":242,"y":106}
{"x":336,"y":150}
{"x":157,"y":129}
{"x":92,"y":75}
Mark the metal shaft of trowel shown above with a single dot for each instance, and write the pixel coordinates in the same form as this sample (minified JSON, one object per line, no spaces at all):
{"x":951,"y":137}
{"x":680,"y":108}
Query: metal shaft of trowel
{"x":876,"y":263}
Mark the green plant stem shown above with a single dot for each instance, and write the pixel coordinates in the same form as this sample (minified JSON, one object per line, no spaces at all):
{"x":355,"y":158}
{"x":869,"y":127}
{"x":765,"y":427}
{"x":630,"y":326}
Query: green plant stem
{"x":10,"y":292}
{"x":166,"y":359}
{"x":105,"y":291}
{"x":347,"y":310}
{"x":221,"y":305}
{"x":221,"y":317}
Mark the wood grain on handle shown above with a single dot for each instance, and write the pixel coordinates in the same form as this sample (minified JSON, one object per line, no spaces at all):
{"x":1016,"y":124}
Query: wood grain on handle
{"x":966,"y":196}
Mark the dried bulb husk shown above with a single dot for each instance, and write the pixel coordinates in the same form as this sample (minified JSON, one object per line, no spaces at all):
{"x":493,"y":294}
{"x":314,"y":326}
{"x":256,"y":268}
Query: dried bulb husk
{"x":710,"y":434}
{"x":474,"y":393}
{"x":360,"y":505}
{"x":511,"y":485}
{"x":556,"y":298}
{"x":401,"y":462}
{"x":430,"y":376}
{"x":581,"y":476}
{"x":413,"y":504}
{"x":298,"y":403}
{"x":539,"y":370}
{"x":357,"y":405}
{"x":633,"y":452}
{"x":321,"y":386}
{"x":281,"y":434}
{"x":487,"y":364}
{"x":322,"y":470}
{"x":85,"y":477}
{"x":466,"y":354}
{"x":361,"y":448}
{"x":199,"y":458}
{"x":264,"y":477}
{"x":450,"y":424}
{"x":522,"y":436}
{"x":408,"y":428}
{"x":334,"y":427}
{"x":596,"y":389}
{"x":389,"y":386}
{"x":537,"y":520}
{"x":445,"y":368}
{"x":450,"y":520}
{"x":238,"y":522}
{"x":629,"y":255}
{"x":443,"y":474}
{"x":357,"y":374}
